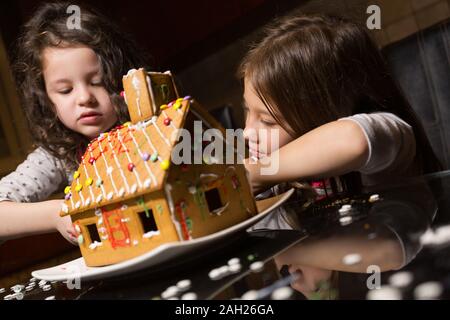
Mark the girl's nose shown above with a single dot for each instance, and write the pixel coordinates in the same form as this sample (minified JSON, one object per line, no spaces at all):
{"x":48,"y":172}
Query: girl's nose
{"x":250,"y":132}
{"x":247,"y":133}
{"x":85,"y":96}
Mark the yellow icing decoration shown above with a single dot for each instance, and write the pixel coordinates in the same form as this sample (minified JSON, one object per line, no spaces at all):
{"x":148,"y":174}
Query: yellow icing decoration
{"x":76,"y":174}
{"x":79,"y":187}
{"x":127,"y":124}
{"x":179,"y":100}
{"x":165,"y":164}
{"x":88,"y":182}
{"x":67,"y":190}
{"x":177,"y":105}
{"x":164,"y":106}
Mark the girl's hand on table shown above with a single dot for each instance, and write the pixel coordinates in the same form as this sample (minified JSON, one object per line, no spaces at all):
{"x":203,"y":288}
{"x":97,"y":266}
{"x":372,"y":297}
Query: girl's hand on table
{"x":65,"y":226}
{"x":310,"y":280}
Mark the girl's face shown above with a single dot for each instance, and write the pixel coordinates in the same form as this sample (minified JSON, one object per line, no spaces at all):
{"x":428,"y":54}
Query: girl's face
{"x":73,"y":82}
{"x":263,"y":133}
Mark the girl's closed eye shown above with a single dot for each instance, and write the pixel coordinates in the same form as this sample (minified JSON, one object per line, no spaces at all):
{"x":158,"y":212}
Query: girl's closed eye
{"x":65,"y":91}
{"x":269,"y":123}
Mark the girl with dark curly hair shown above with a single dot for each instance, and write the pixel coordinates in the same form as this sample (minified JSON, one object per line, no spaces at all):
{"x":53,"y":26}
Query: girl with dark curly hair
{"x":69,"y":79}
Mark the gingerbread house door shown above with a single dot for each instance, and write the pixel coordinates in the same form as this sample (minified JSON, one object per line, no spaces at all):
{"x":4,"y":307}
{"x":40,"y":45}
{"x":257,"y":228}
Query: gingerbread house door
{"x":118,"y":233}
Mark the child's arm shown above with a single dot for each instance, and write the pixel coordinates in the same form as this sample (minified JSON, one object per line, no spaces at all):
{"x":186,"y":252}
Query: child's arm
{"x":23,"y":210}
{"x":333,"y":149}
{"x":23,"y":219}
{"x":328,"y":253}
{"x":314,"y":258}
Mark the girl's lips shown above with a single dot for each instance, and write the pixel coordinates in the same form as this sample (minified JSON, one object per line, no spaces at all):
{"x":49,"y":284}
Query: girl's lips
{"x":255,"y":154}
{"x":90,"y":119}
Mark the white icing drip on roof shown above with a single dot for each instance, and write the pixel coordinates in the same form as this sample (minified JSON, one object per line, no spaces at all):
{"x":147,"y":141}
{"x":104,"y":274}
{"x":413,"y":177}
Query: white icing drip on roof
{"x":108,"y":169}
{"x":117,"y":164}
{"x":136,"y":83}
{"x":136,"y":174}
{"x":146,"y":185}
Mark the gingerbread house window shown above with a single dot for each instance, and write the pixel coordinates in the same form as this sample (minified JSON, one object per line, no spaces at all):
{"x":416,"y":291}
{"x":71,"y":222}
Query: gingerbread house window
{"x":213,"y":200}
{"x":147,"y":220}
{"x":93,"y":233}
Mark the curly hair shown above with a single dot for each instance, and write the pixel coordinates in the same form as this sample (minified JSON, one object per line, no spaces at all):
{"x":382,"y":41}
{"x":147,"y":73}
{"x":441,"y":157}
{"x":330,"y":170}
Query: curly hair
{"x":116,"y":52}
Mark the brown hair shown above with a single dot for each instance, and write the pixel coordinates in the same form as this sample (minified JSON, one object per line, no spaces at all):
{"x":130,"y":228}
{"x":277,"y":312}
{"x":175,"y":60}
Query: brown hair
{"x":47,"y":28}
{"x":313,"y":69}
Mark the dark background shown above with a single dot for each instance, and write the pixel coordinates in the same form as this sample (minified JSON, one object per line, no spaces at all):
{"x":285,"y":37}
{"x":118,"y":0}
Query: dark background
{"x":176,"y":33}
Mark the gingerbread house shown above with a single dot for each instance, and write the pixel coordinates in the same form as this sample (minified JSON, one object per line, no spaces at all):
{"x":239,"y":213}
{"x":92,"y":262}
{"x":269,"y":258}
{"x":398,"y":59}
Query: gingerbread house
{"x":128,"y":197}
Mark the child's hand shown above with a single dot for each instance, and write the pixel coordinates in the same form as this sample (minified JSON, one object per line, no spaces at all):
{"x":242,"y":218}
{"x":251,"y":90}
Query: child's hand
{"x":64,"y":226}
{"x":253,"y":170}
{"x":310,"y":280}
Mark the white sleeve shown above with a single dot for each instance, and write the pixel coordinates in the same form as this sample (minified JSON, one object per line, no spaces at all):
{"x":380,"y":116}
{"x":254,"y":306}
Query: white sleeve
{"x":391,"y":142}
{"x":35,"y":179}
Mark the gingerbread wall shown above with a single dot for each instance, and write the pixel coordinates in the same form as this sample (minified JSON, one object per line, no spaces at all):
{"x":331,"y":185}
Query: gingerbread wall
{"x":121,"y":231}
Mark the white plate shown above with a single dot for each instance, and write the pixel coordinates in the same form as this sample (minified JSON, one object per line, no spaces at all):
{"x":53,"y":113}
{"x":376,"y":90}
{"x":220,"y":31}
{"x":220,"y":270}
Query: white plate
{"x":77,"y":269}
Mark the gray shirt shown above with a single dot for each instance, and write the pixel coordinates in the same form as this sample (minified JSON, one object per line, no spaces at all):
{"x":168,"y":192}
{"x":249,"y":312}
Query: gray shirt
{"x":392,"y":148}
{"x":35,"y":179}
{"x":391,"y":155}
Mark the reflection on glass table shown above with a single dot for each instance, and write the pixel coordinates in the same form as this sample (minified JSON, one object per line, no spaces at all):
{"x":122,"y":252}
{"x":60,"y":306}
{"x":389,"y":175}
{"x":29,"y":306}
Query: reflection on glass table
{"x":391,"y":242}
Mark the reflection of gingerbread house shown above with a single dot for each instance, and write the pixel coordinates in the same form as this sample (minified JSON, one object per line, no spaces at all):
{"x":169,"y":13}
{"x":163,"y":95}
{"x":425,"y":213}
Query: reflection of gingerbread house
{"x":128,"y":197}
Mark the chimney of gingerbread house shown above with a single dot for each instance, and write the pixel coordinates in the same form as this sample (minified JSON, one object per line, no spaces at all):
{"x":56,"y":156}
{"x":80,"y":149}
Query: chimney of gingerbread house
{"x":145,"y":92}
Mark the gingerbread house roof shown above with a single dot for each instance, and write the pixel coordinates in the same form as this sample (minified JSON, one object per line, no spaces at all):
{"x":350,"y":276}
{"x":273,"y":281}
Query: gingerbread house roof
{"x":128,"y":161}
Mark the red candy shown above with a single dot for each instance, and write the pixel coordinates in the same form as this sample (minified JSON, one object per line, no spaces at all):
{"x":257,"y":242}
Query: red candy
{"x":122,"y":93}
{"x":130,"y":167}
{"x":91,"y":160}
{"x":167,"y":121}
